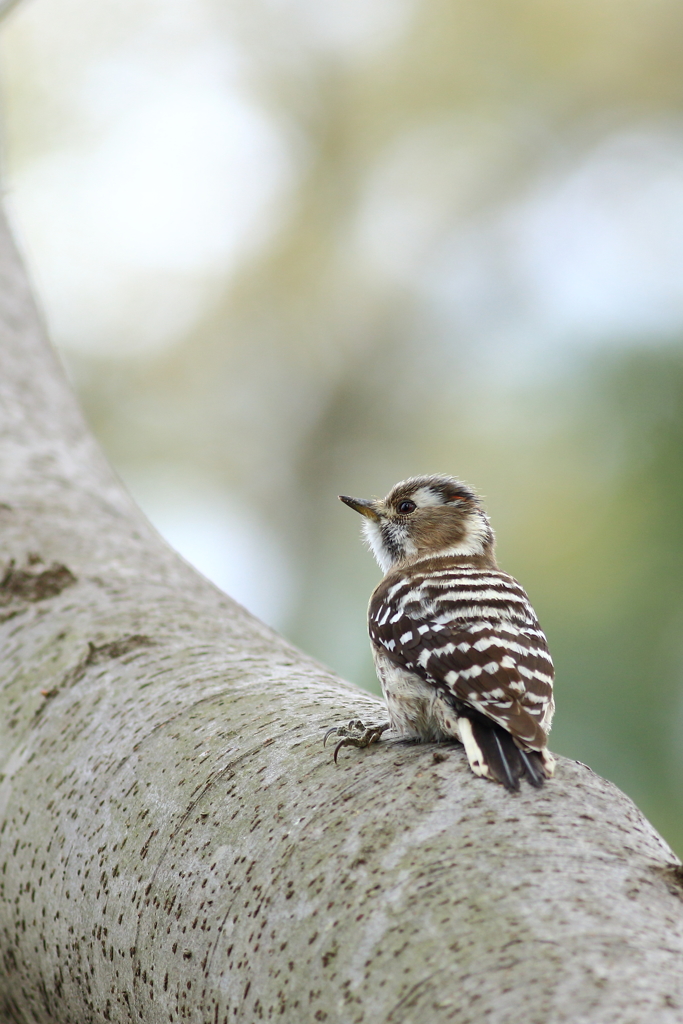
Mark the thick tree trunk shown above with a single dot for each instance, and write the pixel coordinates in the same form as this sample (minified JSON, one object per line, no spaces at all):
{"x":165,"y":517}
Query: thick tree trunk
{"x":176,"y":844}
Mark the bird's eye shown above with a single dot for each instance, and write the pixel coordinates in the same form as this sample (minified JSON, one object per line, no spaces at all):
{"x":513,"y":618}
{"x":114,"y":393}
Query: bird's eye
{"x":406,"y":507}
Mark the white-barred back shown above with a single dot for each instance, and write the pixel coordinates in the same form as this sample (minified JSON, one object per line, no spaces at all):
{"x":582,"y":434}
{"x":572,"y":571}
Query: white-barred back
{"x":472,"y":635}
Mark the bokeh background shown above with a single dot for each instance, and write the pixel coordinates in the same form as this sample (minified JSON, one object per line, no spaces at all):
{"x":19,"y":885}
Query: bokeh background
{"x":292,"y":248}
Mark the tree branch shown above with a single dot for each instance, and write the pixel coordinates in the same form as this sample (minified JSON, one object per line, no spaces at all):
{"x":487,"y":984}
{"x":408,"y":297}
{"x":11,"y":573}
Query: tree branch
{"x":175,"y":844}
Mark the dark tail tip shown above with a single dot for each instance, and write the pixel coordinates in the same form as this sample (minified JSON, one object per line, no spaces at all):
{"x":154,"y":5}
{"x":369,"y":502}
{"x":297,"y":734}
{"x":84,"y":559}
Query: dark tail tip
{"x":533,"y":767}
{"x":507,"y":763}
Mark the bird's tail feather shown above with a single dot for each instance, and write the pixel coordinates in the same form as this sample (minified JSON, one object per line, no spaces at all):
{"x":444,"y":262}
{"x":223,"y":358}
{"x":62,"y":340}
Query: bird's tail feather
{"x":505,"y":761}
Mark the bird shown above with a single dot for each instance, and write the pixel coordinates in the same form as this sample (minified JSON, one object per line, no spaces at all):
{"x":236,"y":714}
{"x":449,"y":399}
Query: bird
{"x":457,"y":646}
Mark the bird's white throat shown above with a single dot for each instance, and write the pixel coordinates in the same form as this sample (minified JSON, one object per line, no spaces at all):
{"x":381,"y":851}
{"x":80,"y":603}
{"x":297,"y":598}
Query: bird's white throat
{"x":391,"y":543}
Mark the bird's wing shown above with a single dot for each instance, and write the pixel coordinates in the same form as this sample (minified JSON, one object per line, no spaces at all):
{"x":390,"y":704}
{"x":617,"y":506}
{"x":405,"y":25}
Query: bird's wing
{"x":487,"y":652}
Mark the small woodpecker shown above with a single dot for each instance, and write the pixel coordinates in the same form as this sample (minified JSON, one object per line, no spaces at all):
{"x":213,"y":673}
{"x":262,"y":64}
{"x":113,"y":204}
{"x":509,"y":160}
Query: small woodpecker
{"x":456,"y":644}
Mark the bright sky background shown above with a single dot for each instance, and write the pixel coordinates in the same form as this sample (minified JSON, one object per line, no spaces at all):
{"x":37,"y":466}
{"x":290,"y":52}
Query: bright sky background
{"x":153,"y":171}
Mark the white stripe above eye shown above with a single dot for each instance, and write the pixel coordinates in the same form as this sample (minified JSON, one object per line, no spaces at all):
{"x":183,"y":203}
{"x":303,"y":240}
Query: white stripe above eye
{"x":424,"y":497}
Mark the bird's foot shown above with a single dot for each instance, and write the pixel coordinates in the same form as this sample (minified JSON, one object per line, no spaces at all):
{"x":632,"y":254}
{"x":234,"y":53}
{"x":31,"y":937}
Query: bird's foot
{"x":355,"y":734}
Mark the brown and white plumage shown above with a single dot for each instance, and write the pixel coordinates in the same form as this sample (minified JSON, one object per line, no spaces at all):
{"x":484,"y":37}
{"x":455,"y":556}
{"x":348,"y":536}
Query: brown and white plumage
{"x":457,"y":646}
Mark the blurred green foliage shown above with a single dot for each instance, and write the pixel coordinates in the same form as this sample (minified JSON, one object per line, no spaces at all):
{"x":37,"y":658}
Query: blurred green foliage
{"x":321,"y":363}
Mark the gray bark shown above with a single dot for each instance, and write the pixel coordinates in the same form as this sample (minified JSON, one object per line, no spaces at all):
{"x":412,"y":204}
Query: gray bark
{"x":176,"y":844}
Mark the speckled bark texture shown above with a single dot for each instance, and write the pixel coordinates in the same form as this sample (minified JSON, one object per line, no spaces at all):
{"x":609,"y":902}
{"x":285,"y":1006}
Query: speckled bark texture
{"x":176,"y":844}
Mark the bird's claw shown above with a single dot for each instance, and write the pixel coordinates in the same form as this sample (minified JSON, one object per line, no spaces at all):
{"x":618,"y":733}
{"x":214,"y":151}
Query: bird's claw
{"x":355,"y":734}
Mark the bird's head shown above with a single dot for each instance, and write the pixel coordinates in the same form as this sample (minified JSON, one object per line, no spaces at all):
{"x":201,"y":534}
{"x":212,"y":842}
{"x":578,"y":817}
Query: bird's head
{"x":425,"y":517}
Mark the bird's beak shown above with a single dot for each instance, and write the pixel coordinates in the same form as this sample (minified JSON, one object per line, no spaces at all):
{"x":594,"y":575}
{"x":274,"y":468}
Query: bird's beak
{"x":362,"y":505}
